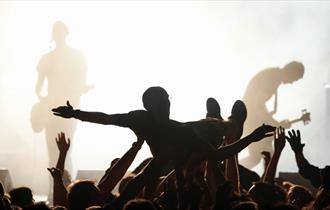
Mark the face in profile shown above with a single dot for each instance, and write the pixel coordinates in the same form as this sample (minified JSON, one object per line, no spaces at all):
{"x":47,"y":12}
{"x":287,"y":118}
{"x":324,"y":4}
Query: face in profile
{"x":292,"y":72}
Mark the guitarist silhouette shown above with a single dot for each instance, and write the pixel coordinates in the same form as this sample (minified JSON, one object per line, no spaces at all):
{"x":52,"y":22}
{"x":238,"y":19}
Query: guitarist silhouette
{"x":260,"y":89}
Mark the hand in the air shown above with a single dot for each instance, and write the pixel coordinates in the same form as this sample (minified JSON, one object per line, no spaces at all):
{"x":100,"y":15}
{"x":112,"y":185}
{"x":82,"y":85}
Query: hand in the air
{"x":295,"y":141}
{"x":262,"y":132}
{"x":63,"y":145}
{"x":279,"y":140}
{"x":64,"y":111}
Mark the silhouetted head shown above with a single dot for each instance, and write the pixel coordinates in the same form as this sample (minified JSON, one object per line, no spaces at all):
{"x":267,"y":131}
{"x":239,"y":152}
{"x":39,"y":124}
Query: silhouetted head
{"x":83,"y":194}
{"x":139,"y":204}
{"x":292,"y":71}
{"x":299,"y":196}
{"x":267,"y":195}
{"x":156,"y":101}
{"x":245,"y":205}
{"x":21,"y":196}
{"x":213,"y":108}
{"x":60,"y":31}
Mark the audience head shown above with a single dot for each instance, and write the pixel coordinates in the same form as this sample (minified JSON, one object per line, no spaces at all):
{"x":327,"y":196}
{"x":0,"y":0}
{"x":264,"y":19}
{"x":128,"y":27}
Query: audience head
{"x":83,"y":194}
{"x":245,"y":205}
{"x":267,"y":195}
{"x":299,"y":196}
{"x":292,"y":71}
{"x":139,"y":204}
{"x":21,"y":196}
{"x":156,"y":101}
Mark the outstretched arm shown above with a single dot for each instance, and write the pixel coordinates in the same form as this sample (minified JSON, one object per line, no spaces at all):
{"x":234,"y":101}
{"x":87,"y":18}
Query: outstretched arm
{"x":234,"y":148}
{"x":279,"y":143}
{"x":116,"y":172}
{"x":307,"y":170}
{"x":94,"y":117}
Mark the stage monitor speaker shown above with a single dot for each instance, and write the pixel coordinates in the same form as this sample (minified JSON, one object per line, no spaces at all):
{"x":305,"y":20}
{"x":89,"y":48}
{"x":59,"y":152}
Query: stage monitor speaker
{"x":94,"y":175}
{"x":5,"y":179}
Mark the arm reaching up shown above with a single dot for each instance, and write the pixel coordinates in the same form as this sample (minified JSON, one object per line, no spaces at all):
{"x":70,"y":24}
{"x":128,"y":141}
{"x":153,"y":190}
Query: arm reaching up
{"x":279,"y":143}
{"x":60,"y":192}
{"x":116,"y":172}
{"x":63,"y":146}
{"x":307,"y":170}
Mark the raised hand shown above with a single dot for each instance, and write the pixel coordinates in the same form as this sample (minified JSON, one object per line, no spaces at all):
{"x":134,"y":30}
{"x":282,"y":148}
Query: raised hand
{"x":295,"y":141}
{"x":279,"y":140}
{"x":262,"y":132}
{"x":63,"y":145}
{"x":64,"y":111}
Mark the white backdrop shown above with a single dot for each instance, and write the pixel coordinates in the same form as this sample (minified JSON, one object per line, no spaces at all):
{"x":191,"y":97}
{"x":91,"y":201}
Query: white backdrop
{"x":194,"y":49}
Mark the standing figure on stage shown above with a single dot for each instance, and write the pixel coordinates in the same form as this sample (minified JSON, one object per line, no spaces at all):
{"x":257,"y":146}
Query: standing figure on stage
{"x":261,"y":88}
{"x":63,"y":69}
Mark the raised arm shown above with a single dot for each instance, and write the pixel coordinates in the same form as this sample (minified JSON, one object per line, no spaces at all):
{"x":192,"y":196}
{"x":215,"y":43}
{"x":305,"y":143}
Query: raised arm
{"x":63,"y":146}
{"x":59,"y":190}
{"x":234,"y":148}
{"x":279,"y":143}
{"x":307,"y":170}
{"x":94,"y":117}
{"x":117,"y":172}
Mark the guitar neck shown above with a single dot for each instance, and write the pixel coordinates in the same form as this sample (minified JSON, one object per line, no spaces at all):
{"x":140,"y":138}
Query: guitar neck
{"x":295,"y":120}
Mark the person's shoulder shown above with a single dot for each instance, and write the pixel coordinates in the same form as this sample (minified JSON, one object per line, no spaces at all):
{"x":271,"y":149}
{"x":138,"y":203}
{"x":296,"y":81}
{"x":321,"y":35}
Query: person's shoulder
{"x":139,"y":113}
{"x":44,"y":60}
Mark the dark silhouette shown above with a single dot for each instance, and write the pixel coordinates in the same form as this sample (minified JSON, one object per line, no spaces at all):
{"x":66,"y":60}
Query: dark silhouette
{"x":261,"y":88}
{"x":64,"y":71}
{"x":307,"y":170}
{"x":168,"y":140}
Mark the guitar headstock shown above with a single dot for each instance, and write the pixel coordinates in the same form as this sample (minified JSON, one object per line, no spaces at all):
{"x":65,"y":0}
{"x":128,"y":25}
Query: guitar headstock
{"x":305,"y":116}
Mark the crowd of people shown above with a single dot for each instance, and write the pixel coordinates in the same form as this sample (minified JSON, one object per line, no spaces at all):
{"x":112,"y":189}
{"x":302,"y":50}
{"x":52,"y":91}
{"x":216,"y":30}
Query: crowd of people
{"x":194,"y":165}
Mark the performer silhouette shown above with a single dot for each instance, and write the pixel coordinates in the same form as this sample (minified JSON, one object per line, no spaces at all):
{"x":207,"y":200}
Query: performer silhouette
{"x":260,"y":89}
{"x":64,"y":71}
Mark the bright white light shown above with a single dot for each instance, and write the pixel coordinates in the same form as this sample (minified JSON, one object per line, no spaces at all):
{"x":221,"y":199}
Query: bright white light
{"x":195,"y":50}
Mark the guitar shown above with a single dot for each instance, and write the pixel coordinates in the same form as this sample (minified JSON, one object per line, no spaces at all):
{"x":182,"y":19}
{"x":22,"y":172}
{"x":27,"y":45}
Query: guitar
{"x":305,"y":117}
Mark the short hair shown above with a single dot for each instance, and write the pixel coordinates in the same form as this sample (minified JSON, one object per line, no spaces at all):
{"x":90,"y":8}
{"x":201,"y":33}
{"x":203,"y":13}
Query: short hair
{"x":21,"y":196}
{"x":83,"y":194}
{"x":139,"y":204}
{"x":151,"y":95}
{"x":245,"y":205}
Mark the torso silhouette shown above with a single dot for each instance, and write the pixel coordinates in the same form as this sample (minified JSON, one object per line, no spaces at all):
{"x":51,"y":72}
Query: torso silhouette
{"x":261,"y":88}
{"x":65,"y":70}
